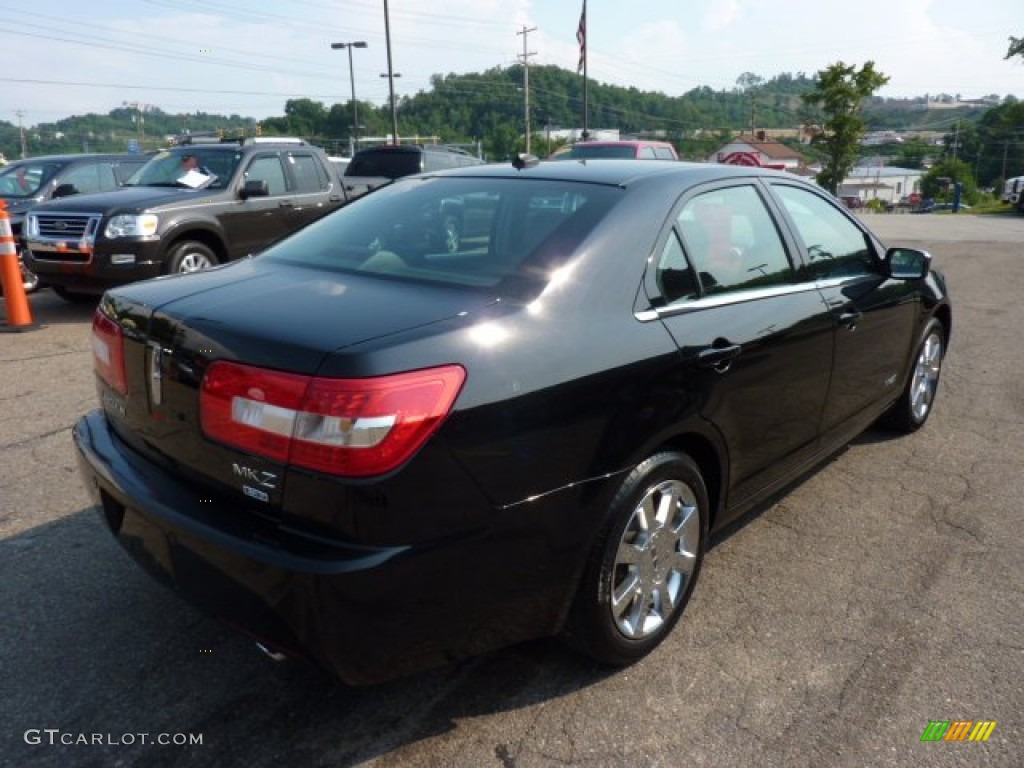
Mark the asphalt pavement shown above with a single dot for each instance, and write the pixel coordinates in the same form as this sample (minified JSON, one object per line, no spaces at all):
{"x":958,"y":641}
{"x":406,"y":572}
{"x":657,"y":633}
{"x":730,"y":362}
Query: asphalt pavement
{"x":883,"y":592}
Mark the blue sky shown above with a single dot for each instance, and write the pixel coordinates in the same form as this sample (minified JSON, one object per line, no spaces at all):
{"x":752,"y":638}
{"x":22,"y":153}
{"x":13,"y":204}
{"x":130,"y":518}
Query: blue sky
{"x":248,"y":57}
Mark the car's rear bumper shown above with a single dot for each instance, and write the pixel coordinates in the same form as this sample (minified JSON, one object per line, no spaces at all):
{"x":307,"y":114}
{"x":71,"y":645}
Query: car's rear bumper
{"x":366,"y":613}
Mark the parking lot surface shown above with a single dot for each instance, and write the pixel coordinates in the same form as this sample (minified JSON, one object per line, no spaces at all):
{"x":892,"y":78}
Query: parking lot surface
{"x":883,"y":592}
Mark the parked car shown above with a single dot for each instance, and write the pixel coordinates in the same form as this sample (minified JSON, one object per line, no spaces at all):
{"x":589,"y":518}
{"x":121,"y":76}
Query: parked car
{"x":376,"y":166}
{"x":29,"y":182}
{"x":930,"y":206}
{"x":1013,"y":192}
{"x":188,"y":208}
{"x":364,"y":448}
{"x":852,"y":202}
{"x":627,"y":148}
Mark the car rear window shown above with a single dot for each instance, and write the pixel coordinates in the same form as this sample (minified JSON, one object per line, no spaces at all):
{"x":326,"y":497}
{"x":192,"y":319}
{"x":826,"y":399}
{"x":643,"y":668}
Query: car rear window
{"x":474,"y":232}
{"x":391,"y":164}
{"x":591,"y":152}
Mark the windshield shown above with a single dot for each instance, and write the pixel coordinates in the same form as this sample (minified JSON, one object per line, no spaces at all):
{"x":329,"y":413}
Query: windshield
{"x":21,"y":180}
{"x":194,"y":167}
{"x":392,"y":164}
{"x":478,"y":232}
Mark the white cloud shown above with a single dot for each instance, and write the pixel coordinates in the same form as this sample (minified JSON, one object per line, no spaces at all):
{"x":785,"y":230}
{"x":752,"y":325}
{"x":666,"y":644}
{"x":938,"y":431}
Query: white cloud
{"x":721,"y":14}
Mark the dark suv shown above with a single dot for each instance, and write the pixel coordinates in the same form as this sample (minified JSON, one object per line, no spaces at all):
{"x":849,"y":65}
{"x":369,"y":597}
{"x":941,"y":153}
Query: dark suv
{"x":188,"y":208}
{"x":376,"y":166}
{"x":27,"y":183}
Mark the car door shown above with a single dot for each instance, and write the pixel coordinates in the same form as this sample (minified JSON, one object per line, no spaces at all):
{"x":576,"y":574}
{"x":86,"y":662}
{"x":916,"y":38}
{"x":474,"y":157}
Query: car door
{"x":252,"y":224}
{"x":873,"y":316}
{"x":755,"y":340}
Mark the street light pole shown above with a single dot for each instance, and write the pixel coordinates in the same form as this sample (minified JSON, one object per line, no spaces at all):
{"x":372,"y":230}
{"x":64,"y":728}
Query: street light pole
{"x":352,"y":82}
{"x":391,"y":77}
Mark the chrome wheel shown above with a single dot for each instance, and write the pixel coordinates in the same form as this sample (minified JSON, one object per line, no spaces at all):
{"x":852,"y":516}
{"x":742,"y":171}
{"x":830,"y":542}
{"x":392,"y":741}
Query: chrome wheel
{"x":190,"y":256}
{"x":656,"y":558}
{"x":29,"y":279}
{"x":194,"y":261}
{"x":926,"y":376}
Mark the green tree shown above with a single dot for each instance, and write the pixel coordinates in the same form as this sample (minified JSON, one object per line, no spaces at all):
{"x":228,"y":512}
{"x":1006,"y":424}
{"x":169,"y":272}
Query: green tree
{"x":840,"y":95}
{"x":934,"y":183}
{"x":912,"y":154}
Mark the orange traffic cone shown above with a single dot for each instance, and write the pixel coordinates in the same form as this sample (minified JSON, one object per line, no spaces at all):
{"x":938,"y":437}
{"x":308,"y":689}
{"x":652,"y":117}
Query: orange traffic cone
{"x":19,"y":316}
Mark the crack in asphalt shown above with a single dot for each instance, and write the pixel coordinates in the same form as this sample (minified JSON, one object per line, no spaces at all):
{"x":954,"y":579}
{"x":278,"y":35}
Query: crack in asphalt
{"x":42,"y":356}
{"x":36,"y":438}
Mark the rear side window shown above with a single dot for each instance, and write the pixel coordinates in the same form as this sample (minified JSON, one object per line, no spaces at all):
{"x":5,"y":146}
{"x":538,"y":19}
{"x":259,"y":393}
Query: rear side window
{"x":308,"y":175}
{"x":459,"y":231}
{"x":732,"y":241}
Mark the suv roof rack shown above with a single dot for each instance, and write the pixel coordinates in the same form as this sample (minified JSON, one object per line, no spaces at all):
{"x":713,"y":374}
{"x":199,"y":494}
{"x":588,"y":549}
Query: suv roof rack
{"x":240,"y":140}
{"x":275,"y":140}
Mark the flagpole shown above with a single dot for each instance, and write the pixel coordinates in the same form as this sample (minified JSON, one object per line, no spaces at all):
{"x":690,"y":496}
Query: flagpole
{"x":582,"y":37}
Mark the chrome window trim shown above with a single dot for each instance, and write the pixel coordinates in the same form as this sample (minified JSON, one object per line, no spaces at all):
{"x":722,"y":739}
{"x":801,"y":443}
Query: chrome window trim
{"x":686,"y":306}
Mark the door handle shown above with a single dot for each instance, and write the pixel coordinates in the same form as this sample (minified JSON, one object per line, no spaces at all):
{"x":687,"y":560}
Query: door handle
{"x":719,"y":358}
{"x":286,"y":204}
{"x":850,"y":319}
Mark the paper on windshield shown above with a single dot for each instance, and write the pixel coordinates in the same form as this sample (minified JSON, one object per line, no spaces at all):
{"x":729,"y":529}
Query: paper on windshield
{"x":194,"y":179}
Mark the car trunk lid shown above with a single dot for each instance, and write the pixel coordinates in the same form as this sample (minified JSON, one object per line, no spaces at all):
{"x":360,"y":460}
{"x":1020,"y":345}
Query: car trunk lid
{"x":271,"y":316}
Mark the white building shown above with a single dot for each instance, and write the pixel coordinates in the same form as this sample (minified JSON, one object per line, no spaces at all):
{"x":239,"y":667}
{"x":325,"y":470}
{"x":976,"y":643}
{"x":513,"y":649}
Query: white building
{"x":887,"y":183}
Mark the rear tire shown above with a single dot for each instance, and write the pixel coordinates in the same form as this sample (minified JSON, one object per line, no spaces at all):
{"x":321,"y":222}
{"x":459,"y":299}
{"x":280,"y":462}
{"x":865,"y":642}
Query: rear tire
{"x":915,"y":405}
{"x":644,"y":563}
{"x":190,"y":256}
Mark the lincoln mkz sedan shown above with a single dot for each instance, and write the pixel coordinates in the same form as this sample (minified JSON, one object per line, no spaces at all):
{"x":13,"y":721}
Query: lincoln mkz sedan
{"x":382,"y":453}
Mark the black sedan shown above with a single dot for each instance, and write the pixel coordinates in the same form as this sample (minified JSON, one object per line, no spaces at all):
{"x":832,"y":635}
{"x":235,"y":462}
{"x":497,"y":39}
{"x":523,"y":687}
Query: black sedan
{"x":382,"y":452}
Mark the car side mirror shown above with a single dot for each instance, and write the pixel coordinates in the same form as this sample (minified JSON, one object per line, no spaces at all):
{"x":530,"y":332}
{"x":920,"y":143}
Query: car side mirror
{"x":64,"y":190}
{"x":254,"y":188}
{"x":907,"y":263}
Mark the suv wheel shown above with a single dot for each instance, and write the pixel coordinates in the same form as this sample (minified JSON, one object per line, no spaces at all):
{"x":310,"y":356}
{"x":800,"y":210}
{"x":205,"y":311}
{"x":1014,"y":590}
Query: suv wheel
{"x":191,"y":256}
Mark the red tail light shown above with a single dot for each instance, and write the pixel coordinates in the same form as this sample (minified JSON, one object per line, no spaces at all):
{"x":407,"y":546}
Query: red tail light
{"x":350,"y":427}
{"x":108,"y":352}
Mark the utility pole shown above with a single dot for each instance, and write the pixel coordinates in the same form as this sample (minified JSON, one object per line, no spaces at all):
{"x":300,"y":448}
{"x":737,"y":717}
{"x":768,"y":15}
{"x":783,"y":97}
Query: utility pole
{"x":956,"y":139}
{"x":21,"y":130}
{"x":391,"y":76}
{"x":1006,"y":148}
{"x":525,"y":56}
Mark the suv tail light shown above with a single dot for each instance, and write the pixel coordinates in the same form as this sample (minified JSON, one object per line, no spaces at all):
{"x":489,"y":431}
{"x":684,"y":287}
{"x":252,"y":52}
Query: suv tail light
{"x":348,"y":427}
{"x":108,"y":352}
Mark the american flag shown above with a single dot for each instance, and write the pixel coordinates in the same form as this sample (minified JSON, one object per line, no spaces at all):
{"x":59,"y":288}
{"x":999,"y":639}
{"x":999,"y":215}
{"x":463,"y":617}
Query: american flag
{"x":581,"y":38}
